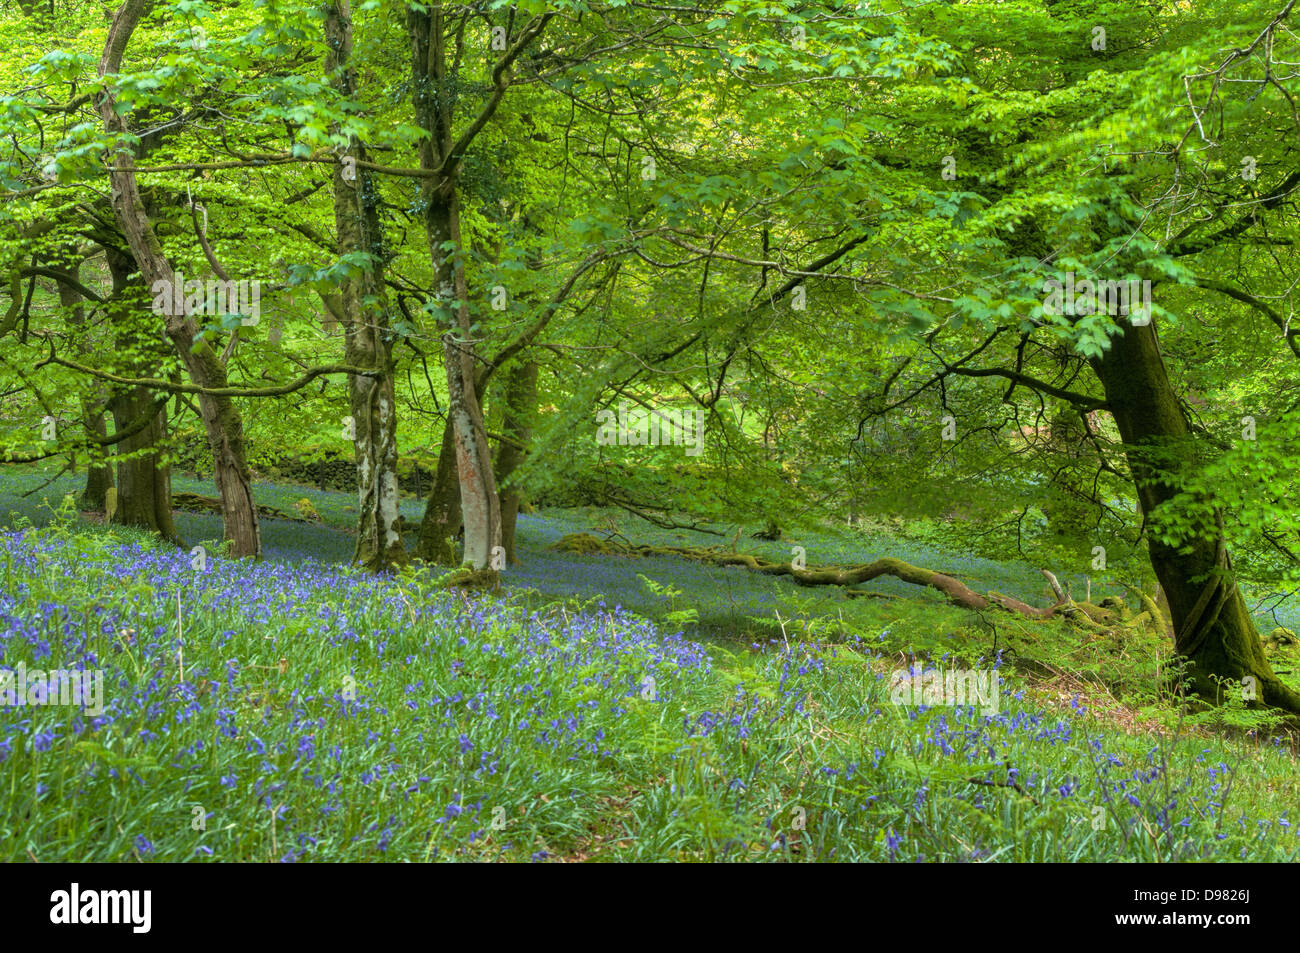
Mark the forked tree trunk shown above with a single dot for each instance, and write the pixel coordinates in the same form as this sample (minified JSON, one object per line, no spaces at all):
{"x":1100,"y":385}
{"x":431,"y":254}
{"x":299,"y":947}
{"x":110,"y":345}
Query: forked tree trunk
{"x":366,"y":333}
{"x":1213,"y":626}
{"x":433,"y":102}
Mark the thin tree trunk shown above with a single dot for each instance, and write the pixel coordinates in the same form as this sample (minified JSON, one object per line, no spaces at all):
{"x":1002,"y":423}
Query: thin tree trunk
{"x":441,"y":520}
{"x":1213,"y":626}
{"x":521,"y":405}
{"x":480,"y":504}
{"x":99,"y":472}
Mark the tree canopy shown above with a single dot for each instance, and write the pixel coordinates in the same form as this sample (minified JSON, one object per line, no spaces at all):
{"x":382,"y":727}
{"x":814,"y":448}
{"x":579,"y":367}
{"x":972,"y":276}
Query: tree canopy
{"x":1022,"y":267}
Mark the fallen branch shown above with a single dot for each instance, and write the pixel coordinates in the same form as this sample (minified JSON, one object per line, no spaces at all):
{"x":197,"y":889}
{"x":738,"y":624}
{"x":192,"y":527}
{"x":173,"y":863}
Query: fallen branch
{"x":958,"y":593}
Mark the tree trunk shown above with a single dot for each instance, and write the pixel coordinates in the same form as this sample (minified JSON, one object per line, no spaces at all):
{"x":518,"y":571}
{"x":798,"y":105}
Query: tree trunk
{"x":221,"y":419}
{"x":521,"y":404}
{"x":442,"y":510}
{"x":1213,"y":626}
{"x":143,"y":482}
{"x":1162,"y":603}
{"x":144,"y":495}
{"x":439,"y":194}
{"x":99,"y":472}
{"x":225,"y":432}
{"x":366,"y":334}
{"x":480,"y":503}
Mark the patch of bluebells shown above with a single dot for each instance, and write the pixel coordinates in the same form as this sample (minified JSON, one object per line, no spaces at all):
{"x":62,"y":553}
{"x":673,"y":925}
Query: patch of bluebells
{"x":436,"y":745}
{"x":573,"y":676}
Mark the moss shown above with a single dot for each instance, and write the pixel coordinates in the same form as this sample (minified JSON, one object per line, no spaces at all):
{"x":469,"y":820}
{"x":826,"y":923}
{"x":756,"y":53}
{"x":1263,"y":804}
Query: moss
{"x":587,"y":545}
{"x":1281,"y":641}
{"x":478,"y":579}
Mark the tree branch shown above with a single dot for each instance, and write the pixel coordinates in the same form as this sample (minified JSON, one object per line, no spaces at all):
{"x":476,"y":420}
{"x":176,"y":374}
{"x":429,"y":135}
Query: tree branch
{"x":169,"y":387}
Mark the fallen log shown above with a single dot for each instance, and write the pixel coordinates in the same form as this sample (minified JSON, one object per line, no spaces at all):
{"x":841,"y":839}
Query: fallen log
{"x":957,"y":592}
{"x":196,"y":503}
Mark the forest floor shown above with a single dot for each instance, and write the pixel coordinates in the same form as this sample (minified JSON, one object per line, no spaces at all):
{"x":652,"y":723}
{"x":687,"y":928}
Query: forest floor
{"x":600,"y":708}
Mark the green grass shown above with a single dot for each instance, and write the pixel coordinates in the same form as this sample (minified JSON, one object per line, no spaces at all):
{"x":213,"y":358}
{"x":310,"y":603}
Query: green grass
{"x":325,"y":715}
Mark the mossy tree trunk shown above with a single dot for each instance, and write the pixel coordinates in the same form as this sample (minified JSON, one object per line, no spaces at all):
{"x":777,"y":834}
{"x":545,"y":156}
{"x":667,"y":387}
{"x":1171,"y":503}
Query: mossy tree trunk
{"x":144,"y":497}
{"x":144,"y":484}
{"x":1213,"y":627}
{"x":99,"y":472}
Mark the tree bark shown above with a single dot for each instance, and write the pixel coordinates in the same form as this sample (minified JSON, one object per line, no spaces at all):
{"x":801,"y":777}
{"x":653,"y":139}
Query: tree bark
{"x":143,"y":480}
{"x":144,"y":493}
{"x":367,"y":339}
{"x":1212,"y":624}
{"x":433,"y":102}
{"x":221,"y":419}
{"x":441,"y":520}
{"x":479,"y":502}
{"x":521,"y":405}
{"x":99,"y":472}
{"x":956,"y":591}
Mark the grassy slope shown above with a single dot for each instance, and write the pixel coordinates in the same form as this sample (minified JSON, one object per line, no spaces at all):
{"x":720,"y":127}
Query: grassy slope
{"x":324,"y":715}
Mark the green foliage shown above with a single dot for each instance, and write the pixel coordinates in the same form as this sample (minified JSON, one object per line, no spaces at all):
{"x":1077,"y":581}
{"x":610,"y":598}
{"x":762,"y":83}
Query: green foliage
{"x":699,"y":764}
{"x":829,"y":229}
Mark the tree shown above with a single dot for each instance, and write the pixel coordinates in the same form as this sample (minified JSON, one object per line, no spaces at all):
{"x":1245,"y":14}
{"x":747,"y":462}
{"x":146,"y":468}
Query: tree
{"x":364,"y":314}
{"x":206,"y":368}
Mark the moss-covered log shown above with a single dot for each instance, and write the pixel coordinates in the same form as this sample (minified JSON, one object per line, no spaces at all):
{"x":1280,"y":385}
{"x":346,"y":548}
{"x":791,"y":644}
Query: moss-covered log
{"x":197,"y":503}
{"x":956,"y":591}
